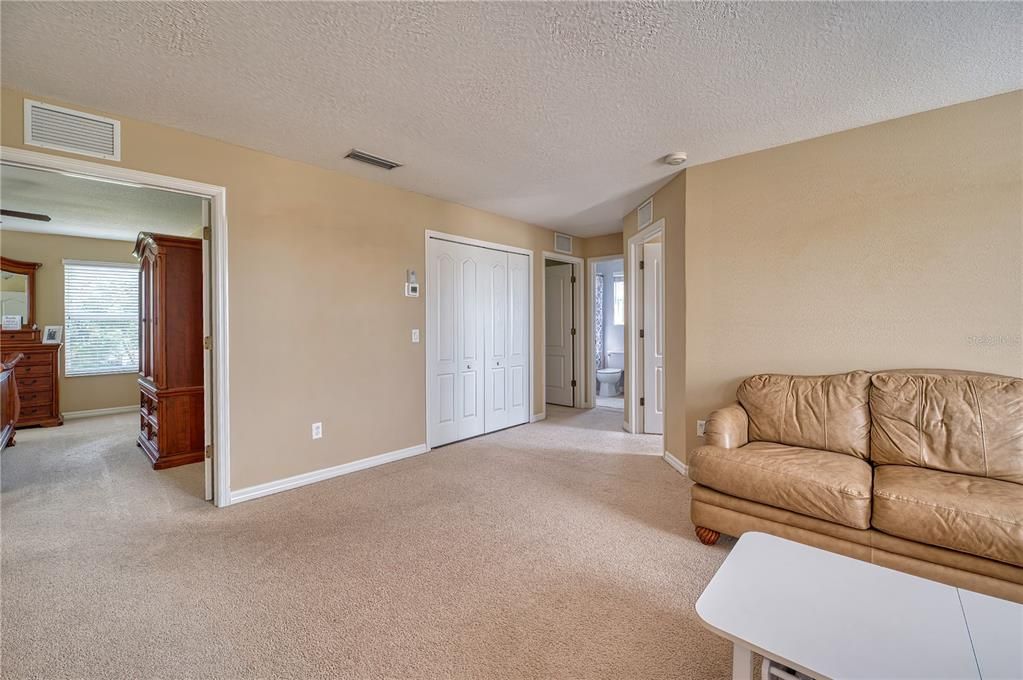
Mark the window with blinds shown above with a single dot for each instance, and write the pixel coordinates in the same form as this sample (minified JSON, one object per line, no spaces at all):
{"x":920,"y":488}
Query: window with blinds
{"x":101,"y":318}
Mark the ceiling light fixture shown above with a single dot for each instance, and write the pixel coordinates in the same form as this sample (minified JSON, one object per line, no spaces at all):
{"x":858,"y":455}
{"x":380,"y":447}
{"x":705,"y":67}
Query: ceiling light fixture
{"x":677,"y":158}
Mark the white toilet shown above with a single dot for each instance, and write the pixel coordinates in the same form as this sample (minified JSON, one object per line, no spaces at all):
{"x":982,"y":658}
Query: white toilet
{"x":613,"y":377}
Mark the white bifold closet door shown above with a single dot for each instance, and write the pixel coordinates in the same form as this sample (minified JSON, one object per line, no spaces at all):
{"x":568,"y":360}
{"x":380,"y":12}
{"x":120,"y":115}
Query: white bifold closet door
{"x":477,"y":340}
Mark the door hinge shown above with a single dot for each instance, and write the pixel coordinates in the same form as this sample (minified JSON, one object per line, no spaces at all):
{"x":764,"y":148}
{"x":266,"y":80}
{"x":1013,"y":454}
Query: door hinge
{"x":642,"y":401}
{"x":641,"y":264}
{"x":573,"y":279}
{"x":207,"y":342}
{"x":209,"y":451}
{"x":207,"y":233}
{"x":641,"y":334}
{"x":573,"y":331}
{"x":573,"y":383}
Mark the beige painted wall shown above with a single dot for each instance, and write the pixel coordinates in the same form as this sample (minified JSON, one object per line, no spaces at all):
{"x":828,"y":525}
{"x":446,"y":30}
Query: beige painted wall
{"x":894,"y":245}
{"x":600,"y":246}
{"x":328,"y":253}
{"x":669,"y":205}
{"x":82,"y":393}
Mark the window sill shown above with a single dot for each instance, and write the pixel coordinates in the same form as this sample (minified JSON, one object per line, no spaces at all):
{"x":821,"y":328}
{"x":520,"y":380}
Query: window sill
{"x":93,"y":374}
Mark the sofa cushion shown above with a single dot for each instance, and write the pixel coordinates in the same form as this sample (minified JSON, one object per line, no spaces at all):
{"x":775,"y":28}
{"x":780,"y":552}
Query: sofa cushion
{"x":970,"y":423}
{"x":970,"y":514}
{"x":822,"y":484}
{"x":827,"y":412}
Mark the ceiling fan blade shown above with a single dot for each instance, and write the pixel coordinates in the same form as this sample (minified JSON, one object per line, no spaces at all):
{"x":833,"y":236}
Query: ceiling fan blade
{"x":24,"y":215}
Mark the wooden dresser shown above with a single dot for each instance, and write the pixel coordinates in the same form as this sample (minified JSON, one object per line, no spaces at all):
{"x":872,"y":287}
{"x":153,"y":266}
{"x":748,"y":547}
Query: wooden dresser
{"x":37,"y":376}
{"x":172,"y":407}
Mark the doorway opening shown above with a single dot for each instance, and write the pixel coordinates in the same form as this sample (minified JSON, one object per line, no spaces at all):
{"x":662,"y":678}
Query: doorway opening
{"x":607,"y":348}
{"x":114,"y":322}
{"x":563,"y":309}
{"x":645,"y":375}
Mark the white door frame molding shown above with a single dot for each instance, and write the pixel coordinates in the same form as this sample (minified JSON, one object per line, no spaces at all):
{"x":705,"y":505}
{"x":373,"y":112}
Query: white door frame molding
{"x":578,"y":314}
{"x":591,"y":361}
{"x":454,"y":238}
{"x":221,"y":387}
{"x":632,"y":318}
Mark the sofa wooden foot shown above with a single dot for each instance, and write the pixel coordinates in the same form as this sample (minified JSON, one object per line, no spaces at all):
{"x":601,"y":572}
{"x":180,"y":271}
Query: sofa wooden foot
{"x":707,"y":536}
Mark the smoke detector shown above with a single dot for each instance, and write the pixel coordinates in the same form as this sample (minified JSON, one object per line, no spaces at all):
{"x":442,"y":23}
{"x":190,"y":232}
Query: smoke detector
{"x":677,"y":158}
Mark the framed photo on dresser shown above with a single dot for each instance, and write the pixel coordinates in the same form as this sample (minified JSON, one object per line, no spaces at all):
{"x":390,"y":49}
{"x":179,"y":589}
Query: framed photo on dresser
{"x":52,"y":335}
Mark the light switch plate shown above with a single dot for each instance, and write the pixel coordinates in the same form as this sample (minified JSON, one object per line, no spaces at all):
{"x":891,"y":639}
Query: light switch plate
{"x":317,"y":430}
{"x":415,"y":335}
{"x":701,"y":428}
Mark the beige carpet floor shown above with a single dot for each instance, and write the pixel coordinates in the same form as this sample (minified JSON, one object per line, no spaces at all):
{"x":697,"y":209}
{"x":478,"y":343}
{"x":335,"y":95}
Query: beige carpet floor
{"x":552,"y":550}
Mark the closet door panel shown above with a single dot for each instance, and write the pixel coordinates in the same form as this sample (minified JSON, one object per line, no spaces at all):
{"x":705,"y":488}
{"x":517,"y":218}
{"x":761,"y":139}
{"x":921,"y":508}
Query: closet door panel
{"x":517,"y":388}
{"x":471,"y":368}
{"x":495,"y":340}
{"x":442,"y":342}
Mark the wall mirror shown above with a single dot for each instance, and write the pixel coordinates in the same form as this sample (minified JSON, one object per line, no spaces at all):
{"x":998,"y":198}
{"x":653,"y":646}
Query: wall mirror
{"x":18,"y":290}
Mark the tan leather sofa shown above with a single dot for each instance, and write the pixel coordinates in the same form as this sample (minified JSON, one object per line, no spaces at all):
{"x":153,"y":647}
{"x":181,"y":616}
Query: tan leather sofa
{"x":920,"y":471}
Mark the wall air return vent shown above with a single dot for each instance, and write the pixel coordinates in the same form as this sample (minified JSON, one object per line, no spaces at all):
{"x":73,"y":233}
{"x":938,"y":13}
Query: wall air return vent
{"x":645,"y":214}
{"x":379,"y":162}
{"x":54,"y":127}
{"x":563,"y":244}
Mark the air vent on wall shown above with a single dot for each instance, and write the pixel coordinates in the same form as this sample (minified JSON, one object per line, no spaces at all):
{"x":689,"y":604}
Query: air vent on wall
{"x":645,"y":214}
{"x":563,"y":243}
{"x":379,"y":162}
{"x":54,"y":127}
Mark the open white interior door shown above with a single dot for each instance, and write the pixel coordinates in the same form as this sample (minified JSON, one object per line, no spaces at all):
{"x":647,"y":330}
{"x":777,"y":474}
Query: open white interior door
{"x":207,"y":361}
{"x":558,"y":317}
{"x":653,"y":339}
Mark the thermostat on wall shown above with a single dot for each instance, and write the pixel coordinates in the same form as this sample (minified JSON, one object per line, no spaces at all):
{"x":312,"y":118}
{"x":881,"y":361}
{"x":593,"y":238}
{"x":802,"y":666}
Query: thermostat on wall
{"x":411,"y":284}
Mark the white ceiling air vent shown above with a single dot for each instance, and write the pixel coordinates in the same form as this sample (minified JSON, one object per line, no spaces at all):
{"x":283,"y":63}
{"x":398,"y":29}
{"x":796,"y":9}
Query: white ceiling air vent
{"x":646,"y":213}
{"x":563,"y":243}
{"x":54,"y":127}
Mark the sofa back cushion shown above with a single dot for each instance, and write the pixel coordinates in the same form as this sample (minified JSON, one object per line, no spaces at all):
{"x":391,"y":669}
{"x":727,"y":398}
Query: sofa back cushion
{"x":828,"y":412}
{"x":970,"y":423}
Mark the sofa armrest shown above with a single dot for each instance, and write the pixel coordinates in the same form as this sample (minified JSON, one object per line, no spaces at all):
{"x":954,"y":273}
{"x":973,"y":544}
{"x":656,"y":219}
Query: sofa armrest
{"x":728,"y":427}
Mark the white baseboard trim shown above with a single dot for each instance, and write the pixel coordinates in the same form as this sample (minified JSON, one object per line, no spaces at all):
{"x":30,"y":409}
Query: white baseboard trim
{"x":75,"y":415}
{"x":537,"y":417}
{"x":260,"y":490}
{"x":674,"y":462}
{"x":627,"y":426}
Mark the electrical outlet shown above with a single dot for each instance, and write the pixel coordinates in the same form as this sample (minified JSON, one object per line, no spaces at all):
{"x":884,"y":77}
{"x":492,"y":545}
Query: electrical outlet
{"x":415,"y":335}
{"x":317,"y":430}
{"x":701,"y":428}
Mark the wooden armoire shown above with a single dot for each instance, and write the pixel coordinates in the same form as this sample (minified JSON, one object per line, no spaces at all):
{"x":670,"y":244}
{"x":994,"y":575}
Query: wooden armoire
{"x":171,"y":407}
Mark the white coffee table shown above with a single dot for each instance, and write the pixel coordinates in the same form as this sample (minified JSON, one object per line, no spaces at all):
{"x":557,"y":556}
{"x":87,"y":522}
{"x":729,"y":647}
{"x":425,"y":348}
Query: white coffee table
{"x":830,"y":616}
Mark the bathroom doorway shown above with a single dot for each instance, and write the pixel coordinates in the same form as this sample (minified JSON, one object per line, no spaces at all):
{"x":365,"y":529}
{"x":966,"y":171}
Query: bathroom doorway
{"x":607,"y":332}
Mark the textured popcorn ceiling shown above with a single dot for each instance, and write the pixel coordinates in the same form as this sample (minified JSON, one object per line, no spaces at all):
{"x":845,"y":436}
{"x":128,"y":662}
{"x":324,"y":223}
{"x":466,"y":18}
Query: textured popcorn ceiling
{"x":553,"y":113}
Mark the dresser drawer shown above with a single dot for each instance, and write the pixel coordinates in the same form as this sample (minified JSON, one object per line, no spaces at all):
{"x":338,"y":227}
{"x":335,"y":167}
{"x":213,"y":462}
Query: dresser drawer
{"x":33,"y":383}
{"x":31,"y":370}
{"x":36,"y":359}
{"x":34,"y":411}
{"x":35,"y":398}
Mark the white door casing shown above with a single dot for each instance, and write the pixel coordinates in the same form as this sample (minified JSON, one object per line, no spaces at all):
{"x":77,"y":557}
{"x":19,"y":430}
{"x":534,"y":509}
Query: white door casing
{"x":653,"y":338}
{"x":558,"y":318}
{"x":207,"y":355}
